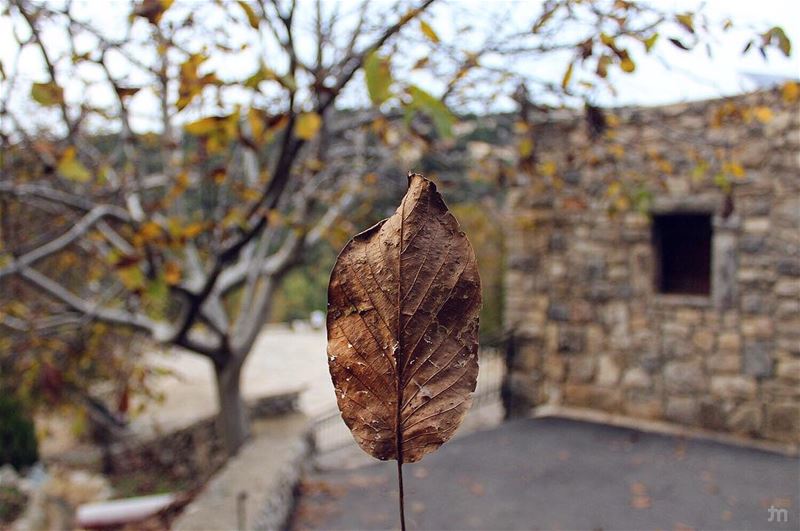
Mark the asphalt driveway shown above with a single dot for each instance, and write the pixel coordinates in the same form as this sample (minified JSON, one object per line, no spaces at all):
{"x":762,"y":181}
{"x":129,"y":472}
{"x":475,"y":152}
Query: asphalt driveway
{"x":563,"y":474}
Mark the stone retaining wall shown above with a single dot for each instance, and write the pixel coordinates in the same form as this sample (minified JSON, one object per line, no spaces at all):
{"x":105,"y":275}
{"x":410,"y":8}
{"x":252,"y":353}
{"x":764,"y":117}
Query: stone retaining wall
{"x":192,"y":453}
{"x":593,"y":331}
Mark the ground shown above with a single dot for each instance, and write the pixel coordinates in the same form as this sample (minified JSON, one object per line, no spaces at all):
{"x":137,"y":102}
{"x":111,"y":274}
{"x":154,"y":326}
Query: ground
{"x":282,"y":360}
{"x":563,"y":474}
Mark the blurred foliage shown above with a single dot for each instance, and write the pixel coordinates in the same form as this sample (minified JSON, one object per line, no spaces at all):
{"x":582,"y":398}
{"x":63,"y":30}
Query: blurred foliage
{"x":484,"y":229}
{"x":305,"y":288}
{"x":12,"y":504}
{"x":233,"y":170}
{"x":18,"y":445}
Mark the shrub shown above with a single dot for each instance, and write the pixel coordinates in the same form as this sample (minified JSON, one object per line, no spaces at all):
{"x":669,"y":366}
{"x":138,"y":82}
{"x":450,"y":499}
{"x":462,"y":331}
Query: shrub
{"x":17,"y":436}
{"x":12,"y":503}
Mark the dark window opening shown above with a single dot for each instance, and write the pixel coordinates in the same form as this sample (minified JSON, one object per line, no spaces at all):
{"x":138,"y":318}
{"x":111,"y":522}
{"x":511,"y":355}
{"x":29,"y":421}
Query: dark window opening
{"x":683,"y":253}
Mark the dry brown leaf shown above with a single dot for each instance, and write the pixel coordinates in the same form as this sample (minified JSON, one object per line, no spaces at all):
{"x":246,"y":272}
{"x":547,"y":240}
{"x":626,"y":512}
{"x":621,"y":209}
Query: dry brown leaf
{"x":403,"y":328}
{"x":641,"y":502}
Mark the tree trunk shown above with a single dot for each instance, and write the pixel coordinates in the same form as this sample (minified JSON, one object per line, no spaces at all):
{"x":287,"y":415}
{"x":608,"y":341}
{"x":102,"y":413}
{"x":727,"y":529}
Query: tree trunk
{"x":232,"y":420}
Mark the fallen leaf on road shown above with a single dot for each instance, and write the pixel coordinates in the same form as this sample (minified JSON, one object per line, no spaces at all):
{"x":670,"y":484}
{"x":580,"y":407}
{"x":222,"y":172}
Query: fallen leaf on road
{"x":640,"y":499}
{"x":641,"y":502}
{"x":680,"y":450}
{"x":477,"y":489}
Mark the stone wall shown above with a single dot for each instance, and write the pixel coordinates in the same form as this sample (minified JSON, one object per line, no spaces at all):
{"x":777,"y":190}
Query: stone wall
{"x":591,"y":329}
{"x":190,"y":454}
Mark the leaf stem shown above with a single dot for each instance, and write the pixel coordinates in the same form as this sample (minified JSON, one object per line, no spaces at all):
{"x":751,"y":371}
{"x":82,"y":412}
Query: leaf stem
{"x":400,"y":485}
{"x":399,"y":368}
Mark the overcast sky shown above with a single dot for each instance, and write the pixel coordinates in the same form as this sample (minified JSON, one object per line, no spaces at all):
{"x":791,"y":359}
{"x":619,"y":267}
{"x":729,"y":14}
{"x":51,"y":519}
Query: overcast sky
{"x":668,"y":75}
{"x":694,"y":76}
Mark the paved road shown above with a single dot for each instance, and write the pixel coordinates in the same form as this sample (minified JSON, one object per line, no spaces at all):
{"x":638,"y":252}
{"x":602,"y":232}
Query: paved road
{"x":563,"y":474}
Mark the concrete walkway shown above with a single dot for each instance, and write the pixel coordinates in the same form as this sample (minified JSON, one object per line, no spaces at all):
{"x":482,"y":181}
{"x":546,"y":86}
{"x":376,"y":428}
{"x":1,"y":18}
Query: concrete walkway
{"x":254,"y":489}
{"x":282,"y":360}
{"x":553,"y":473}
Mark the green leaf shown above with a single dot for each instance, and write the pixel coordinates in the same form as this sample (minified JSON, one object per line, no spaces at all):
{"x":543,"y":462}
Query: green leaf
{"x":722,"y":181}
{"x":442,"y":118}
{"x":427,"y":30}
{"x":378,"y":74}
{"x":47,"y":94}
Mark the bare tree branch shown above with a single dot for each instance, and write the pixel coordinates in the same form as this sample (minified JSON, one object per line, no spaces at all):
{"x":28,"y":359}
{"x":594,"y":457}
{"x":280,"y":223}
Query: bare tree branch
{"x":78,"y":230}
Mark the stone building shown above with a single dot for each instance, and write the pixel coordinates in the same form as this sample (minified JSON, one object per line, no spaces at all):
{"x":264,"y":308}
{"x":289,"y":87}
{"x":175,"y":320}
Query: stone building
{"x":654,"y":265}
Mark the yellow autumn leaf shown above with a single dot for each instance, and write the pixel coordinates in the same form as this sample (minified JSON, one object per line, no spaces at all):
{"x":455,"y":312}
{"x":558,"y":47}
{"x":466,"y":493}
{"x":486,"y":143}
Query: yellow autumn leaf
{"x":763,"y":114}
{"x":233,"y":218}
{"x":250,"y":194}
{"x":665,"y":166}
{"x":71,"y":168}
{"x":307,"y":126}
{"x":567,"y":77}
{"x":274,"y":218}
{"x":203,"y":126}
{"x":622,"y":203}
{"x":525,"y":147}
{"x":790,"y":91}
{"x":627,"y":65}
{"x":548,"y":169}
{"x":172,"y":273}
{"x":252,"y":18}
{"x":256,"y":121}
{"x":686,"y":20}
{"x":132,"y":278}
{"x":650,"y":41}
{"x":617,"y":150}
{"x":427,"y":30}
{"x":149,"y":231}
{"x":192,"y":230}
{"x":734,"y":168}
